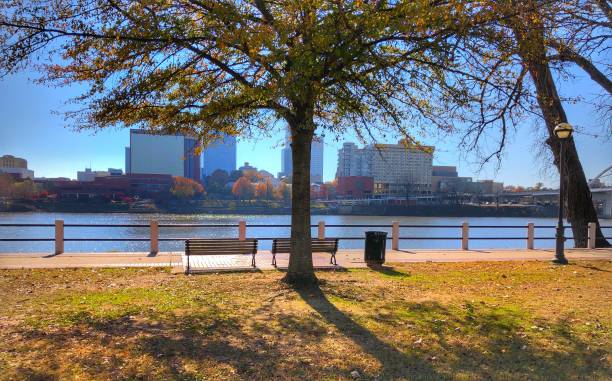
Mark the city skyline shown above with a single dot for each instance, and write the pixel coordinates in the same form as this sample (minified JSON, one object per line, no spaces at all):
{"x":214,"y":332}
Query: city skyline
{"x":26,"y":104}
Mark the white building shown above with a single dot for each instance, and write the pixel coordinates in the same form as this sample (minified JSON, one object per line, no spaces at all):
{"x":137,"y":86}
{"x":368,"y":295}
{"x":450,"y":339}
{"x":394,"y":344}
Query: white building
{"x":162,"y":154}
{"x":398,"y":169}
{"x":15,"y":165}
{"x":89,"y":175}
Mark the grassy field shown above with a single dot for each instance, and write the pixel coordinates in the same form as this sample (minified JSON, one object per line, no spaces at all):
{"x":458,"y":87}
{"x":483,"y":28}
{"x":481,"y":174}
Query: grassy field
{"x":462,"y":321}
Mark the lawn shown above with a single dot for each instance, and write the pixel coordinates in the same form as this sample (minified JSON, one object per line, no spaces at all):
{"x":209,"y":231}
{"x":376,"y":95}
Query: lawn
{"x":460,"y":321}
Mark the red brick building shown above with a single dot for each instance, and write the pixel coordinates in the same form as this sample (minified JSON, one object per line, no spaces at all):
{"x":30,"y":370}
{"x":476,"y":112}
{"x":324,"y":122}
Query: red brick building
{"x":135,"y":184}
{"x":355,"y":186}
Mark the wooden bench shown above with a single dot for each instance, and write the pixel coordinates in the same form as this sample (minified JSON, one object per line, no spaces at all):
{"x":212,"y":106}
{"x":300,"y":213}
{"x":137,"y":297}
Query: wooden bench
{"x":220,"y":246}
{"x":326,"y":245}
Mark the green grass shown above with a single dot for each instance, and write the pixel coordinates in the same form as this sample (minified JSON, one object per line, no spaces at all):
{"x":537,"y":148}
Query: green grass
{"x":462,"y":321}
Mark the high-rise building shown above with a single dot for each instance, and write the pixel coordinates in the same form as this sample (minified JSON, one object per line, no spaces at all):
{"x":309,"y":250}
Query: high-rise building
{"x":220,"y":155}
{"x":16,"y":166}
{"x":286,"y":162}
{"x":151,"y":153}
{"x":353,"y":161}
{"x":316,"y":159}
{"x":398,"y":169}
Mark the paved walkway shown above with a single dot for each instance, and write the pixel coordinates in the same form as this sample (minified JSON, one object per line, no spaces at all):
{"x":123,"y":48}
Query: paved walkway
{"x":214,"y":263}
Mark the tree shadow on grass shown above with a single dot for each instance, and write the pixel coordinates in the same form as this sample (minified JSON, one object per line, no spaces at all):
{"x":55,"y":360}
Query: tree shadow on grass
{"x":388,"y":270}
{"x":394,"y":363}
{"x":590,"y":266}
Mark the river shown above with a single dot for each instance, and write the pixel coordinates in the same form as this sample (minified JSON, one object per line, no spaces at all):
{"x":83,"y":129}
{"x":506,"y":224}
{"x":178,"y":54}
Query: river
{"x":193,"y":232}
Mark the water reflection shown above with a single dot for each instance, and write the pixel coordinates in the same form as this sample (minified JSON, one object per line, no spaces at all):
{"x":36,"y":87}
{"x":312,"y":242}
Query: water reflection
{"x":268,"y":232}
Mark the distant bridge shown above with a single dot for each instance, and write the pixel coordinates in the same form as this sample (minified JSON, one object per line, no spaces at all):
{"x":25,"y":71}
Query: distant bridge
{"x":596,"y":181}
{"x":600,"y":196}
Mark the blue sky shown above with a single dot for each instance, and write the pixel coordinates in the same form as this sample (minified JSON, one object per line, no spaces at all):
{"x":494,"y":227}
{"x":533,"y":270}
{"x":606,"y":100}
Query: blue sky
{"x":30,"y":128}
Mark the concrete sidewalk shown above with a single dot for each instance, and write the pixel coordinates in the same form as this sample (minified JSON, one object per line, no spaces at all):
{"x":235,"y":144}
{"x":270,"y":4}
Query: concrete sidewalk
{"x":213,"y":263}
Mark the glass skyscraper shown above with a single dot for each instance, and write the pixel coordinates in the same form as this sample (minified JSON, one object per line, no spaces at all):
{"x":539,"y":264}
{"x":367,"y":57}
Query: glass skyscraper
{"x":220,"y":155}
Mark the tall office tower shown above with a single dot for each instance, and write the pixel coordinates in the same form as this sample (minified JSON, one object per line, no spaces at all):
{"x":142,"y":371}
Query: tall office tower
{"x":286,"y":162}
{"x":220,"y":155}
{"x":316,"y":159}
{"x":163,"y":154}
{"x":398,"y":169}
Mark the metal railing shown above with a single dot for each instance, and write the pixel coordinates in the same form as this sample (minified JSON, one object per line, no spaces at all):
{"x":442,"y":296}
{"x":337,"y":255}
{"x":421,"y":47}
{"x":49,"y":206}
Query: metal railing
{"x":154,"y":237}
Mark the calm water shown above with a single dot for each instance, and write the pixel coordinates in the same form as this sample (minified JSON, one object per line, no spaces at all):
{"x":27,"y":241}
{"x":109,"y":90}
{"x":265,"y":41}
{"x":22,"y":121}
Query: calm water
{"x":120,"y":218}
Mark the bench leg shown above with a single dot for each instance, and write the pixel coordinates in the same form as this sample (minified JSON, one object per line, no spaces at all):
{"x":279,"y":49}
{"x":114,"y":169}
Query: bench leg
{"x":187,"y":272}
{"x":253,"y":260}
{"x":274,"y":259}
{"x":332,"y":260}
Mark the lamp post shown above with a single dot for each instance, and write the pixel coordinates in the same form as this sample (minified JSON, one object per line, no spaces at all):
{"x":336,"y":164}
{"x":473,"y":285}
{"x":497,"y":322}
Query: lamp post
{"x":562,"y":131}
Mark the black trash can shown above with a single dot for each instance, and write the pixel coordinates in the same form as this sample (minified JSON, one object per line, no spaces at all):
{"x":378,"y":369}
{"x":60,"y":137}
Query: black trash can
{"x":375,"y":246}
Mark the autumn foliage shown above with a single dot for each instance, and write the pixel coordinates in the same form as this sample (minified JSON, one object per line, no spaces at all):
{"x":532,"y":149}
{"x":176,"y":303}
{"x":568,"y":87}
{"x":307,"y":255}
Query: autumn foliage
{"x":186,"y":188}
{"x":243,"y":189}
{"x":264,"y":190}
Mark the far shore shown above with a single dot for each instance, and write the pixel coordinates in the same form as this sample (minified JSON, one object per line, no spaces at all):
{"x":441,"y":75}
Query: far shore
{"x":278,"y":208}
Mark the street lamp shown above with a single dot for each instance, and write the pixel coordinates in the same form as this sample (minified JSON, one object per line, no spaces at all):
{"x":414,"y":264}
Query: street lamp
{"x":563,"y":131}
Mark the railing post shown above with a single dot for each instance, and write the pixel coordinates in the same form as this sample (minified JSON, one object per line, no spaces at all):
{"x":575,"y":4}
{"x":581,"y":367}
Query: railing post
{"x":154,"y":231}
{"x":592,"y":235}
{"x":530,"y":235}
{"x":241,"y":230}
{"x":59,"y":236}
{"x":395,"y":235}
{"x":465,"y":234}
{"x":321,"y":231}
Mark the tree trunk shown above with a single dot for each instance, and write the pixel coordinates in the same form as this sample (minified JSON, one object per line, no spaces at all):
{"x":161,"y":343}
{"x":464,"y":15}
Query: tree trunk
{"x":301,"y":271}
{"x":579,"y":205}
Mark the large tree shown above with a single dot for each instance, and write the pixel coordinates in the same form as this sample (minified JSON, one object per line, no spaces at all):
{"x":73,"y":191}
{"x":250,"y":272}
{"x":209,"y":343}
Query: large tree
{"x":538,"y":40}
{"x":210,"y":68}
{"x":536,"y":31}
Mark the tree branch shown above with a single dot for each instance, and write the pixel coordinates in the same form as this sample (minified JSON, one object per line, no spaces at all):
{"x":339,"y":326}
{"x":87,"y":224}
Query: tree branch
{"x":567,"y":54}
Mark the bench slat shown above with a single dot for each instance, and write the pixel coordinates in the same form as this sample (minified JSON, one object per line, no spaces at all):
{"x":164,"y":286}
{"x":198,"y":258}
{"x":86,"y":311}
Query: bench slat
{"x":215,"y":246}
{"x":283,"y":245}
{"x":218,"y":250}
